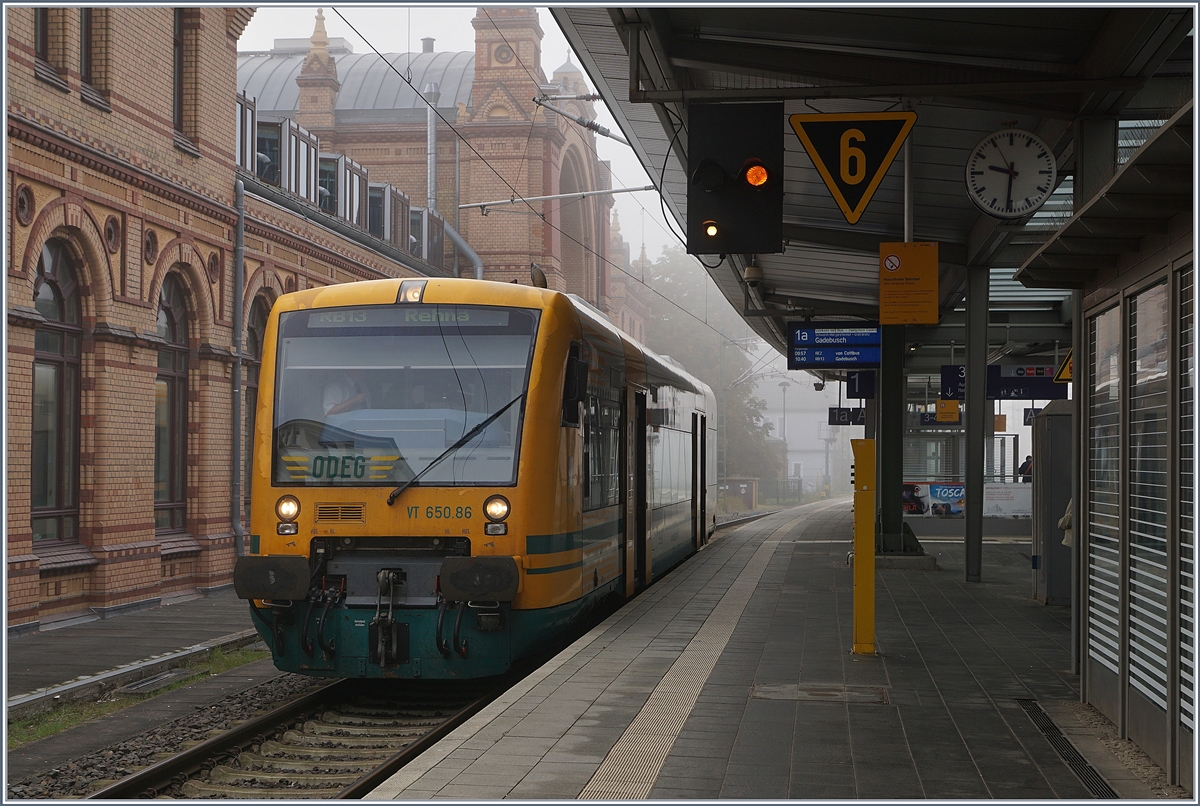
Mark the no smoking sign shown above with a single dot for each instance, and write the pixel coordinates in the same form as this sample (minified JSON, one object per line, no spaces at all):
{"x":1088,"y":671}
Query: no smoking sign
{"x":908,"y":283}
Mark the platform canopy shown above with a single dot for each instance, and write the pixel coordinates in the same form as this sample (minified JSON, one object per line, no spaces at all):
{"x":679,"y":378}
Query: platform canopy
{"x":966,"y":72}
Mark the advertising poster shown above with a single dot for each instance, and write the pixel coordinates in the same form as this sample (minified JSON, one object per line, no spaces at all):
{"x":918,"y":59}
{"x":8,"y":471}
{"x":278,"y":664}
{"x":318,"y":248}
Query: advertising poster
{"x":1008,"y":500}
{"x":933,"y":499}
{"x":944,"y":499}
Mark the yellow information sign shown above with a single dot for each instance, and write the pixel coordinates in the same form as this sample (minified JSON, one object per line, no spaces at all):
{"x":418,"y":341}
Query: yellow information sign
{"x":947,"y":411}
{"x":852,"y":152}
{"x":908,"y":283}
{"x":999,"y":423}
{"x":1066,"y":369}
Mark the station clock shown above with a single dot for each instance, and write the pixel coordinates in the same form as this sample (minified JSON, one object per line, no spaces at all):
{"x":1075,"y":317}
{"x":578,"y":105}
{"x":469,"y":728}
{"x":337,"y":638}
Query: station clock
{"x":1010,"y":174}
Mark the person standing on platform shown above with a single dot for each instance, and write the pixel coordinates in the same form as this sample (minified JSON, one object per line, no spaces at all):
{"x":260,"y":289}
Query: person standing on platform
{"x":1026,"y":470}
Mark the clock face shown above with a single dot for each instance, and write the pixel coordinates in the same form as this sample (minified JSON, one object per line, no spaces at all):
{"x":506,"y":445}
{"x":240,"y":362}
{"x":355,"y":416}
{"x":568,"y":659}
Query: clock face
{"x":1010,"y":173}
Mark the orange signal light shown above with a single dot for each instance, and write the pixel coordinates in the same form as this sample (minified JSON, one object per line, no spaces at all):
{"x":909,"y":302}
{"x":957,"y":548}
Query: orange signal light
{"x":756,"y":175}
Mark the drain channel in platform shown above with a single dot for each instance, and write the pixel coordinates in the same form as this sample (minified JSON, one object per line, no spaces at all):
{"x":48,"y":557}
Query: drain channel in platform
{"x":1086,"y":773}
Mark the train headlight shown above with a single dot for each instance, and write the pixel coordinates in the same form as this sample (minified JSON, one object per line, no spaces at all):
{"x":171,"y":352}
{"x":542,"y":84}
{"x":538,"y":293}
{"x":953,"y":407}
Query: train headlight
{"x":496,"y":508}
{"x":287,"y":508}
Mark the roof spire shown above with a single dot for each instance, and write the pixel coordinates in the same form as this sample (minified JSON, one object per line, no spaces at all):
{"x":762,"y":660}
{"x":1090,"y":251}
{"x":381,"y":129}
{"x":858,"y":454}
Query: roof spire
{"x":318,"y":63}
{"x":320,"y":39}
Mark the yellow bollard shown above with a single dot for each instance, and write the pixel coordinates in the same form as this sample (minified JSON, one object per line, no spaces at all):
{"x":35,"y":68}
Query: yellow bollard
{"x":864,"y":546}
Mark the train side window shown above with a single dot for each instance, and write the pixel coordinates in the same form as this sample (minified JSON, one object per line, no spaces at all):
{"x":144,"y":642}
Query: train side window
{"x":574,"y":386}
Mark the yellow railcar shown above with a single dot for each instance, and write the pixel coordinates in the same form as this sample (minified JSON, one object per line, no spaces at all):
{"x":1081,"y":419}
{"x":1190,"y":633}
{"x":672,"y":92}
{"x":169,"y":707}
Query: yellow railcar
{"x":448,"y":472}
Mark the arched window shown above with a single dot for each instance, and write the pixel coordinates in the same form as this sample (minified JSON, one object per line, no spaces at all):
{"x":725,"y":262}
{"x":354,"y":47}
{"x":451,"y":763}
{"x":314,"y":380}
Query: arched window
{"x":256,"y":330}
{"x":55,"y":463}
{"x":170,"y":411}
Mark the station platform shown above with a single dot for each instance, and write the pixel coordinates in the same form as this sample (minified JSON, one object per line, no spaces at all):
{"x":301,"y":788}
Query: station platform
{"x":90,"y":646}
{"x":733,"y":678}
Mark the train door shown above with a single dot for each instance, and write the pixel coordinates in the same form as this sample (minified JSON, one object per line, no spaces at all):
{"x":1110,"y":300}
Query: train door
{"x":697,"y":518}
{"x":641,"y":524}
{"x":702,"y":464}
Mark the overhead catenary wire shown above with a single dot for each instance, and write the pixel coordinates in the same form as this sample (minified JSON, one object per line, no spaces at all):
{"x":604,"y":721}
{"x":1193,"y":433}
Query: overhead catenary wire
{"x":586,"y":123}
{"x":516,"y":194}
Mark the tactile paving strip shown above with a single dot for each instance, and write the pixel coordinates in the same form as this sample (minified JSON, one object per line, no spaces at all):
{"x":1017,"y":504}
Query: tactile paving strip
{"x":633,"y":764}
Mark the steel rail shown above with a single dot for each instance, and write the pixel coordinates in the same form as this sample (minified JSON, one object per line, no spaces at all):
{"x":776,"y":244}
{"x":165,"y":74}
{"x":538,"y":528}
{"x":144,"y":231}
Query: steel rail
{"x":160,"y":775}
{"x":369,"y":782}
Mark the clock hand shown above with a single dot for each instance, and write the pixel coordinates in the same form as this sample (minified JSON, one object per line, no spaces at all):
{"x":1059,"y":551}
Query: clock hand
{"x":997,"y":169}
{"x":1010,"y":179}
{"x":1007,"y":164}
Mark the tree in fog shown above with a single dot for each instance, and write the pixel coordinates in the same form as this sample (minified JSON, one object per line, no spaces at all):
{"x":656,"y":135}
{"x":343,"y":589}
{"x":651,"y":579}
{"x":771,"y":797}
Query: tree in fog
{"x":718,"y":360}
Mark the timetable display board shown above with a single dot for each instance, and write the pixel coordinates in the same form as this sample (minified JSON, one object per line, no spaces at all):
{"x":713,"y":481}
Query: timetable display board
{"x":833,"y":345}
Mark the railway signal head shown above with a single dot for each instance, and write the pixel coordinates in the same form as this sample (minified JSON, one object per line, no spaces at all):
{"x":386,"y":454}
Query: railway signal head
{"x":735,"y":178}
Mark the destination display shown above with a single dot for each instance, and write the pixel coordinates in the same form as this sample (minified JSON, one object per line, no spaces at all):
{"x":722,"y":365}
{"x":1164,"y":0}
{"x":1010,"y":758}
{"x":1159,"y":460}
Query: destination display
{"x":833,"y":345}
{"x":408,"y":316}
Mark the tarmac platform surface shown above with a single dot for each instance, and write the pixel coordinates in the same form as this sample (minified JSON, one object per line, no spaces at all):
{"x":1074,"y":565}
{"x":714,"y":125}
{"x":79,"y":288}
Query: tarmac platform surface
{"x":733,"y":678}
{"x":730,"y":678}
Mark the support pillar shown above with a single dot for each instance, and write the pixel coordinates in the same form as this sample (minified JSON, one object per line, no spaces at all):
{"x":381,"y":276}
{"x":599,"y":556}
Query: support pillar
{"x":978,"y":410}
{"x":890,"y":397}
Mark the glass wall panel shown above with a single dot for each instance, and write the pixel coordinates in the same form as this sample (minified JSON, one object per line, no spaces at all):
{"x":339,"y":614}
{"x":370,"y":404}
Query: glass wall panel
{"x":1187,"y":538}
{"x":1104,"y":486}
{"x":1149,"y":468}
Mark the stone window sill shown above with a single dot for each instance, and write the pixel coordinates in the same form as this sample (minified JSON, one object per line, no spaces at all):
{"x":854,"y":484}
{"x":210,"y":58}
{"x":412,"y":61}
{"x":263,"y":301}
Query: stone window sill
{"x":60,"y":557}
{"x":46,"y":72}
{"x":186,"y":145}
{"x":94,"y":97}
{"x":177,"y":543}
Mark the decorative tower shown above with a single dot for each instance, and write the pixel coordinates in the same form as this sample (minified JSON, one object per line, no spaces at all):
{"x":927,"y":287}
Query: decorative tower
{"x":508,"y":48}
{"x":318,"y":82}
{"x":618,"y":249}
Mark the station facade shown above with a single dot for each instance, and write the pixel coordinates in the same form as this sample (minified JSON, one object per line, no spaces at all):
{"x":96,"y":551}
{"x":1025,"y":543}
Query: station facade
{"x":124,"y":147}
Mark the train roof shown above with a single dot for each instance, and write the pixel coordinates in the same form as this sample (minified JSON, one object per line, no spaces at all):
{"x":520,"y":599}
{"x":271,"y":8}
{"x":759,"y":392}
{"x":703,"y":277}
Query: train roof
{"x":489,"y":292}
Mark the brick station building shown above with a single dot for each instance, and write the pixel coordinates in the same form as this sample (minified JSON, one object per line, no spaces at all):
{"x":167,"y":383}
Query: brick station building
{"x":125,"y":140}
{"x":368,"y":109}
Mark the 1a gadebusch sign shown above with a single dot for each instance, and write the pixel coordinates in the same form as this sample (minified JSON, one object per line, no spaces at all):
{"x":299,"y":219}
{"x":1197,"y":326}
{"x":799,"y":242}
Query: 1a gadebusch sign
{"x":833,"y":345}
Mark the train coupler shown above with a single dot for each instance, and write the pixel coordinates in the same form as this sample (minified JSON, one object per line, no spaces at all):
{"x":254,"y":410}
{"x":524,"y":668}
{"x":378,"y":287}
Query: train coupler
{"x":331,"y":595}
{"x":387,"y":639}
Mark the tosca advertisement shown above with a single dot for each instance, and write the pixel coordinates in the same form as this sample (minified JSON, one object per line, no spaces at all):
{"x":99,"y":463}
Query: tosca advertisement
{"x":945,"y":499}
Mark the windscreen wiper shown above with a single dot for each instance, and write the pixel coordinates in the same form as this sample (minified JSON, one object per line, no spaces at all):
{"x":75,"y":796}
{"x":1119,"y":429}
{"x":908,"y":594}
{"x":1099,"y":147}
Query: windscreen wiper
{"x":463,"y":440}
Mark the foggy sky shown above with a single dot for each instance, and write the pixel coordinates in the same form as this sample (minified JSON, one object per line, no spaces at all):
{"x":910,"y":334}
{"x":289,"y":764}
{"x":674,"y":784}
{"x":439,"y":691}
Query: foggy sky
{"x":399,"y":29}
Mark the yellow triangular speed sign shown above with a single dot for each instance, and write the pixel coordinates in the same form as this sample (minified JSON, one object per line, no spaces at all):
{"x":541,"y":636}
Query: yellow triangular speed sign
{"x":852,"y":152}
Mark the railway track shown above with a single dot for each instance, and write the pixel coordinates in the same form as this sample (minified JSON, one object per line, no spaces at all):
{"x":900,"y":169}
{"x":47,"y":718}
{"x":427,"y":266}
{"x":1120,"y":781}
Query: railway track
{"x":340,"y":741}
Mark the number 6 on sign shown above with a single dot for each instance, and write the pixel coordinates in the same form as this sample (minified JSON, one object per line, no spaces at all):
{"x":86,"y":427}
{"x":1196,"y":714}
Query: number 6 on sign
{"x":850,"y":152}
{"x":860,"y":145}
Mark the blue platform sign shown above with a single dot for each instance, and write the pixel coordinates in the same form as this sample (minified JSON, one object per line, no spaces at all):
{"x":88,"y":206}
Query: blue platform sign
{"x":833,"y":345}
{"x":1007,"y":382}
{"x":861,"y":384}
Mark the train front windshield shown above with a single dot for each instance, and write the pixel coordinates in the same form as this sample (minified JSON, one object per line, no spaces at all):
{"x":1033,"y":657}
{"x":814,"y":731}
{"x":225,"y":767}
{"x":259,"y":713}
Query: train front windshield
{"x":373,"y":395}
